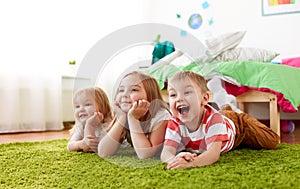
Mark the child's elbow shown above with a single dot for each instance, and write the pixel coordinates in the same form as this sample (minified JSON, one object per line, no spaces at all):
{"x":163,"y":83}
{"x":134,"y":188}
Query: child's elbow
{"x":146,"y":153}
{"x":214,"y":158}
{"x":144,"y":156}
{"x":163,"y":158}
{"x":69,"y":148}
{"x":103,"y":154}
{"x":166,"y":157}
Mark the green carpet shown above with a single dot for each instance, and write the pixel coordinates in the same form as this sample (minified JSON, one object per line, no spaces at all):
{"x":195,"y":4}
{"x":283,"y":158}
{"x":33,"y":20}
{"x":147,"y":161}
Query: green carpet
{"x":50,"y":165}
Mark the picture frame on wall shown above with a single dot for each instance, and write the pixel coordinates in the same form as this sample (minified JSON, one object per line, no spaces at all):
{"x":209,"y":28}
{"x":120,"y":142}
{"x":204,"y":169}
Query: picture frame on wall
{"x":278,"y":7}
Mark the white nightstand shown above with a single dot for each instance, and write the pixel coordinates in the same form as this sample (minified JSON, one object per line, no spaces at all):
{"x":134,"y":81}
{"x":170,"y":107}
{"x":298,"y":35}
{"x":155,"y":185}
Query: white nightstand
{"x":69,"y":84}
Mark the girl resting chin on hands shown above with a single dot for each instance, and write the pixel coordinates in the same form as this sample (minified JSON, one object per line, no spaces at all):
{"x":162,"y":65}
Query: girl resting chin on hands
{"x":141,"y":117}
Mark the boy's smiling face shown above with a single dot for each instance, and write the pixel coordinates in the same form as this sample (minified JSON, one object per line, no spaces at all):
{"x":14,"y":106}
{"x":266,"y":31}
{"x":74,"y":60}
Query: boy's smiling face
{"x":187,"y":101}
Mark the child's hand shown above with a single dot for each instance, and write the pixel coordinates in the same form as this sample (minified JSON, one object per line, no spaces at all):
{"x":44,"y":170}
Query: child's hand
{"x":178,"y":163}
{"x":91,"y":123}
{"x":139,"y":108}
{"x":85,"y":147}
{"x":121,"y":115}
{"x":95,"y":119}
{"x":187,"y":156}
{"x":92,"y":143}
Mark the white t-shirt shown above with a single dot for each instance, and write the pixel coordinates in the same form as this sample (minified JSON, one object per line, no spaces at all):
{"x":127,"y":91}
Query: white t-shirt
{"x":161,"y":115}
{"x":100,"y":132}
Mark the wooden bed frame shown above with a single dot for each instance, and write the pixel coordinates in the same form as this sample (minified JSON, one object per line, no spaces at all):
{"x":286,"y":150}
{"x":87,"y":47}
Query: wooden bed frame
{"x":259,"y":96}
{"x":256,"y":96}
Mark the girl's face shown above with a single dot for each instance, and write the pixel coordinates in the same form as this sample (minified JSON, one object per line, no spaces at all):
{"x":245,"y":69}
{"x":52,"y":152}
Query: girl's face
{"x":131,"y":89}
{"x":186,"y":101}
{"x":84,"y":107}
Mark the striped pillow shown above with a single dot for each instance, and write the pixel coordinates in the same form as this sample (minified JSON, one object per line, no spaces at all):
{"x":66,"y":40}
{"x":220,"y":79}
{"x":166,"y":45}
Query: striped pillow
{"x":246,"y":54}
{"x":222,"y":43}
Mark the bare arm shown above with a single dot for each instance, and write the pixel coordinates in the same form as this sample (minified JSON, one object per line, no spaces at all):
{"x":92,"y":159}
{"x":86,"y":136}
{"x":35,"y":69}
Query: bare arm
{"x":110,"y":143}
{"x":89,"y":129}
{"x":145,"y":147}
{"x":78,"y":145}
{"x":207,"y":158}
{"x":168,"y":154}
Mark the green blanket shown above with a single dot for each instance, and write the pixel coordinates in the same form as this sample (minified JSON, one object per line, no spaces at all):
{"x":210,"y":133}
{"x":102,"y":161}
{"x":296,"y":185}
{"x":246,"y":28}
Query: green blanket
{"x":280,"y":78}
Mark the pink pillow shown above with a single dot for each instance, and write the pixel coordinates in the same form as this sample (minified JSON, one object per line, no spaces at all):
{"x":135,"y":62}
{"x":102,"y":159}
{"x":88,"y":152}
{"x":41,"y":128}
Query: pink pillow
{"x":295,"y":62}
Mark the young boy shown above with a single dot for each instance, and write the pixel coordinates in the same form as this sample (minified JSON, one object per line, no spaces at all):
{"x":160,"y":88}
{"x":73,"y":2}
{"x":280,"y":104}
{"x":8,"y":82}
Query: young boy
{"x":197,"y":134}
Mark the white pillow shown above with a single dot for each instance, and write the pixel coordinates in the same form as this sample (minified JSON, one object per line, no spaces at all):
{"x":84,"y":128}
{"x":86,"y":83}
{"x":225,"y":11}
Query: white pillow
{"x":246,"y":54}
{"x":220,"y":44}
{"x":167,"y":59}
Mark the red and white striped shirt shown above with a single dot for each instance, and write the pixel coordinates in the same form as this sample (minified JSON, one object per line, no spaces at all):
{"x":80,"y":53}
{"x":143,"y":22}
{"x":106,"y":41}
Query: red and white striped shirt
{"x":214,"y":128}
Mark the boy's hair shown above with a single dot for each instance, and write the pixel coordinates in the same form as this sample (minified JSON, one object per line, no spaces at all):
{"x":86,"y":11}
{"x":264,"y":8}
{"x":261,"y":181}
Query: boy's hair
{"x":101,"y":102}
{"x":153,"y":96}
{"x":196,"y":78}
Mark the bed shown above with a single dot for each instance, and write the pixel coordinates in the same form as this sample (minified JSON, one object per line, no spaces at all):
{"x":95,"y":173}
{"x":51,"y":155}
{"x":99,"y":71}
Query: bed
{"x":249,"y":74}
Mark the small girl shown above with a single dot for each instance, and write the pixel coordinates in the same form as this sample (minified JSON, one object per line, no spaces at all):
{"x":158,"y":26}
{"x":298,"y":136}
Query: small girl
{"x":93,"y":113}
{"x":141,"y":117}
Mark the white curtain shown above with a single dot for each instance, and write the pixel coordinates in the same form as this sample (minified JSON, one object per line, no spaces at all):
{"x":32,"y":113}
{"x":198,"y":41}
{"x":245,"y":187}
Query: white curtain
{"x":30,"y":71}
{"x":30,"y":103}
{"x":37,"y":39}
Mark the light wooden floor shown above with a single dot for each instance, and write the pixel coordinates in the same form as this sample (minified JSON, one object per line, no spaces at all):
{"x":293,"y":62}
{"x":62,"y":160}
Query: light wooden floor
{"x":291,"y":138}
{"x":34,"y":136}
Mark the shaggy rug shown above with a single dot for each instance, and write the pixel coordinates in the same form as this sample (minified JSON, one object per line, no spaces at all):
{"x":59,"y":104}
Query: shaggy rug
{"x":50,"y":165}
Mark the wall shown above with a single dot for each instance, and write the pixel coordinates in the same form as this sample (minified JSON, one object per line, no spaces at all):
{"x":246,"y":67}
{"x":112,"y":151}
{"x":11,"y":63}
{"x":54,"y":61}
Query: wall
{"x":35,"y":34}
{"x":279,"y":33}
{"x":54,"y":32}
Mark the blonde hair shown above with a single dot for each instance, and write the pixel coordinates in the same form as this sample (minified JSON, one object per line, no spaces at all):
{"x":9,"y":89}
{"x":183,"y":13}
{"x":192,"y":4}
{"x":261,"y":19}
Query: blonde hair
{"x":196,"y":78}
{"x":153,"y":96}
{"x":101,"y":102}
